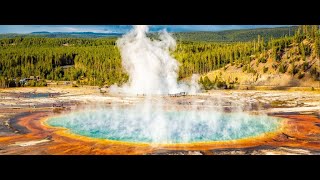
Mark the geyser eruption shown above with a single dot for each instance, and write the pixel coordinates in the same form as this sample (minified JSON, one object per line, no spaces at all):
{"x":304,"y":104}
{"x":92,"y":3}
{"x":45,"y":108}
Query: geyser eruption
{"x":149,"y":64}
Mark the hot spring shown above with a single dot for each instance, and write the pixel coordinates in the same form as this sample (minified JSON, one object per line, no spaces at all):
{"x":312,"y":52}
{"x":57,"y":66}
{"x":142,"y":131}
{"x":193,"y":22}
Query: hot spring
{"x":152,"y":72}
{"x":165,"y":126}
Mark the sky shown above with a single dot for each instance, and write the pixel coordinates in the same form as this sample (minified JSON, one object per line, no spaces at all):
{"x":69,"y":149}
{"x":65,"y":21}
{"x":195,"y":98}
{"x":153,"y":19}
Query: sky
{"x":23,"y":29}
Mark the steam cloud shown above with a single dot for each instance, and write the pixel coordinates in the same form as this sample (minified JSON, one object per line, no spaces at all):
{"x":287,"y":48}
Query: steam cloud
{"x":151,"y":68}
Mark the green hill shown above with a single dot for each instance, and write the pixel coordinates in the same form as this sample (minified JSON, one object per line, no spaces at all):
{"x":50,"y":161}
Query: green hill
{"x":286,"y":62}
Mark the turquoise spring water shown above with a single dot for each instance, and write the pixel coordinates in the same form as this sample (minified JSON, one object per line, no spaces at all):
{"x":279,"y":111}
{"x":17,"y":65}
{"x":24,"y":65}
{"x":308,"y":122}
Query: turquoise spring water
{"x":132,"y":125}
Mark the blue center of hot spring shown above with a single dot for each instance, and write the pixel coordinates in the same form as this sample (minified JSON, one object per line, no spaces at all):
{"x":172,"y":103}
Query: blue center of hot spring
{"x":132,"y":125}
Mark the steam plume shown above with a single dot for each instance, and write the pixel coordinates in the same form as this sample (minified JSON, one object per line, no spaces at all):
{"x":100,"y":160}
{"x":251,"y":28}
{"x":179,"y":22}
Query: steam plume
{"x":151,"y":68}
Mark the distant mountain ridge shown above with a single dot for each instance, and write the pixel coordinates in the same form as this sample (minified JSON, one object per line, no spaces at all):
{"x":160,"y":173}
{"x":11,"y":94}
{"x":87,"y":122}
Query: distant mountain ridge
{"x":240,"y":35}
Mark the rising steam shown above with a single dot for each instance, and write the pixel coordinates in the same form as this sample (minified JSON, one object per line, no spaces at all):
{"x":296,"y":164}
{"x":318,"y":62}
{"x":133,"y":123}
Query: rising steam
{"x":151,"y":68}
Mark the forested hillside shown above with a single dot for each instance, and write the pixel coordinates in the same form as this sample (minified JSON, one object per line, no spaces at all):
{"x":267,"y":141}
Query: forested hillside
{"x":97,"y":61}
{"x":292,"y":61}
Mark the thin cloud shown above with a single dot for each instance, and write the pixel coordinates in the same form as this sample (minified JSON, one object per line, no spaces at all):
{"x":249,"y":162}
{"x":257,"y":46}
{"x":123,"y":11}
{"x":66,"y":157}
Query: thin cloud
{"x":72,"y":29}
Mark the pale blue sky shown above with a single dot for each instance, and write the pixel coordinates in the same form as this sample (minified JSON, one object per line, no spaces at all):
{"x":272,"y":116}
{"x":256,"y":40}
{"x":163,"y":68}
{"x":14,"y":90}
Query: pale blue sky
{"x":121,"y":28}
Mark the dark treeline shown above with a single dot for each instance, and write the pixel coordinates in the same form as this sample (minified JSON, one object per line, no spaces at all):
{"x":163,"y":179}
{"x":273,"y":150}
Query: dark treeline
{"x":98,"y":61}
{"x":241,"y":35}
{"x":34,"y":41}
